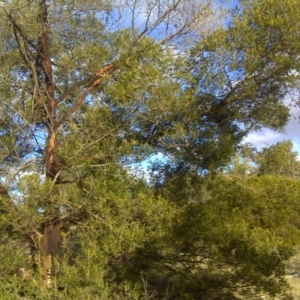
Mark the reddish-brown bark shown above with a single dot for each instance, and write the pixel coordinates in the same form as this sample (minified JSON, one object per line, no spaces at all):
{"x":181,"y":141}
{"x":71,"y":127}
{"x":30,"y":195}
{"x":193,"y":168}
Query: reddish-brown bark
{"x":51,"y":232}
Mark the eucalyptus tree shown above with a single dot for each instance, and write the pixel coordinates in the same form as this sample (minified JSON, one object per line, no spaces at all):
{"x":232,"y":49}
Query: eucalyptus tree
{"x":62,"y":59}
{"x":88,"y":86}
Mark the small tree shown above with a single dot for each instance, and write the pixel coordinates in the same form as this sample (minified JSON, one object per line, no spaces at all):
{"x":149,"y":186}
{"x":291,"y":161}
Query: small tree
{"x":279,"y":159}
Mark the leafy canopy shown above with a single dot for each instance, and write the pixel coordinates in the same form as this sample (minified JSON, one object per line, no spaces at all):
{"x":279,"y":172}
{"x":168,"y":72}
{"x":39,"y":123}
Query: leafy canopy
{"x":83,"y":94}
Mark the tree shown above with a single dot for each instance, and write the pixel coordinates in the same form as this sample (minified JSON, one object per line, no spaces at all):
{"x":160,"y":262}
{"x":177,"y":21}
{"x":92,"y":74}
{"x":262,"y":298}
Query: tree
{"x":279,"y":159}
{"x":238,"y":78}
{"x":83,"y":92}
{"x":58,"y":60}
{"x":234,"y":234}
{"x":104,"y":221}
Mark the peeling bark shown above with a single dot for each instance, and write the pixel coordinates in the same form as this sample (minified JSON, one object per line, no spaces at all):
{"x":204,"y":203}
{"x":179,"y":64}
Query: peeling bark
{"x":51,"y":229}
{"x":51,"y":240}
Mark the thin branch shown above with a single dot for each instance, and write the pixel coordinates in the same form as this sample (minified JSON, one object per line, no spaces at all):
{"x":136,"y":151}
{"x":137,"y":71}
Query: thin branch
{"x":99,"y":76}
{"x":238,"y":183}
{"x":75,"y":86}
{"x":160,"y":19}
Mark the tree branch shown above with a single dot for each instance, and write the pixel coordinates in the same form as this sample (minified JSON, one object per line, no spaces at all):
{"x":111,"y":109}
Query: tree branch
{"x":99,"y":76}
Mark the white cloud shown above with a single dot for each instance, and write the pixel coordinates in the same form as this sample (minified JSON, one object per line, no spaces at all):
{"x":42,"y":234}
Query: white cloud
{"x":263,"y":137}
{"x":269,"y":137}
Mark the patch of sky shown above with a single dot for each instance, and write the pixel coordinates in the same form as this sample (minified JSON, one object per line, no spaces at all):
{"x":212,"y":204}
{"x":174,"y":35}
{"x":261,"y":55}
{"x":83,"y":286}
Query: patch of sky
{"x":266,"y":137}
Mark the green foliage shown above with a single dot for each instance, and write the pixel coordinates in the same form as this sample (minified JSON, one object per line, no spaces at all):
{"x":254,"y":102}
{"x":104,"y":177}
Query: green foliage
{"x":235,"y":235}
{"x":201,"y":229}
{"x":279,"y":159}
{"x":239,"y":77}
{"x":105,"y":221}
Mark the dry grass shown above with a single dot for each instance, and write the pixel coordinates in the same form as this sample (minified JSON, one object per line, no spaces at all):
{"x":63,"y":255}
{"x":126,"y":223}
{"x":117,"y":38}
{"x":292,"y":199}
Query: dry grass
{"x":293,"y":267}
{"x":295,"y":285}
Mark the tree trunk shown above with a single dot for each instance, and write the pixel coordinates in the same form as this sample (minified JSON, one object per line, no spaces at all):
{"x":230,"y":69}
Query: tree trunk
{"x":51,"y":239}
{"x":51,"y":227}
